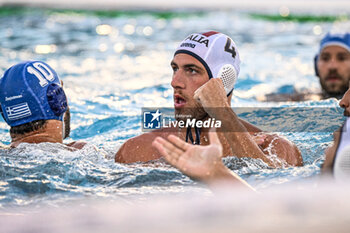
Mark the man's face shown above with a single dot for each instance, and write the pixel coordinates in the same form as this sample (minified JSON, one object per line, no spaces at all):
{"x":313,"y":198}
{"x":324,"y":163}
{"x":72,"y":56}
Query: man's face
{"x":334,"y":69}
{"x":188,"y":75}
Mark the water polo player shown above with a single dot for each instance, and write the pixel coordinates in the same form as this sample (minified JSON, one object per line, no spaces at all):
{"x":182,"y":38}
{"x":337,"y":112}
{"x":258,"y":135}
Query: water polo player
{"x":332,"y":67}
{"x":205,"y":66}
{"x":34,"y":104}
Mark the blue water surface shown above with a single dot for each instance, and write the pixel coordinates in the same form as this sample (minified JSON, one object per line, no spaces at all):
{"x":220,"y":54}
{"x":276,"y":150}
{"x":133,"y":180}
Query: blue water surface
{"x":114,"y":66}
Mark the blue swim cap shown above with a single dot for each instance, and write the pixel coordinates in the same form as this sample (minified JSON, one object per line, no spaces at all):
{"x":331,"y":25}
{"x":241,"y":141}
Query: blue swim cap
{"x":31,"y":91}
{"x":339,"y":39}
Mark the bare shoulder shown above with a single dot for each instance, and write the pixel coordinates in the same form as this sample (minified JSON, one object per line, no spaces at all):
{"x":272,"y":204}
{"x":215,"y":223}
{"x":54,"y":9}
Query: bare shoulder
{"x":139,"y":148}
{"x":283,"y":148}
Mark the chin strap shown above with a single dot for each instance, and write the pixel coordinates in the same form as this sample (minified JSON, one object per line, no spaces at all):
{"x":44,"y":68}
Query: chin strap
{"x":198,"y":135}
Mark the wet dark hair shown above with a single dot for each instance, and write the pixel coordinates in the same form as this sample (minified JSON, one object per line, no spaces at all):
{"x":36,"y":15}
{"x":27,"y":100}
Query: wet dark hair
{"x":40,"y":124}
{"x":28,"y":127}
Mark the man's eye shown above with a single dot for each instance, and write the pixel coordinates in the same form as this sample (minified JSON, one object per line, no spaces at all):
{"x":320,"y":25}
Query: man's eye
{"x":342,"y":57}
{"x":192,"y":71}
{"x":325,"y":58}
{"x":174,"y":68}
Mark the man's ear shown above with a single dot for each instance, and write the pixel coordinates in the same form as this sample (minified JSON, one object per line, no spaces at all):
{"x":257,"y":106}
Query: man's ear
{"x":315,"y":65}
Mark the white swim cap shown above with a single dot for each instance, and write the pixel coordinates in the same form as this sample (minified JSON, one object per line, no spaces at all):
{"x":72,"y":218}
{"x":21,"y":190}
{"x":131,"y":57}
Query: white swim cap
{"x":218,"y":54}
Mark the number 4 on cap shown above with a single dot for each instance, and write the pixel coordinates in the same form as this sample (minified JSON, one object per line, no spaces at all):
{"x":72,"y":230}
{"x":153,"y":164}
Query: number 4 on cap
{"x":229,"y":48}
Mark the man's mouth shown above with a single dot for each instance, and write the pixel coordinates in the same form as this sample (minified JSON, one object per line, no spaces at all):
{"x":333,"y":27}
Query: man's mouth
{"x":179,"y":101}
{"x":333,"y":78}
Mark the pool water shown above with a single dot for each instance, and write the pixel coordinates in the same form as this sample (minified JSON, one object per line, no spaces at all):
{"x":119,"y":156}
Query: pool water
{"x":113,"y":65}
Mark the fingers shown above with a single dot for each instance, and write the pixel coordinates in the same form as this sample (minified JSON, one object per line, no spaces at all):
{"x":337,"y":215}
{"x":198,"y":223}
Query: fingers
{"x":196,"y":96}
{"x":178,"y":142}
{"x":167,"y":149}
{"x":163,"y":152}
{"x":219,"y":82}
{"x":170,"y":147}
{"x":160,"y":148}
{"x":198,"y":93}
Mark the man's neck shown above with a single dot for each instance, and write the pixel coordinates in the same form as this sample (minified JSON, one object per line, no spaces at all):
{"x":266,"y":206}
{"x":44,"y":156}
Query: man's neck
{"x":36,"y":138}
{"x":52,"y":132}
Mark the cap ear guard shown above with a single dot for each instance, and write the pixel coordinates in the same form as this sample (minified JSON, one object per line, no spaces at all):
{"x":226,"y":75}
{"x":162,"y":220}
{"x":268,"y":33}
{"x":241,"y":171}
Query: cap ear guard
{"x":315,"y":65}
{"x":57,"y":99}
{"x":228,"y":75}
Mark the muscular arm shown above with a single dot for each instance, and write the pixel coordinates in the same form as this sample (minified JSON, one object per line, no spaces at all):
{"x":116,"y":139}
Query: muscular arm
{"x":243,"y":145}
{"x":283,"y":149}
{"x":275,"y":144}
{"x":239,"y":133}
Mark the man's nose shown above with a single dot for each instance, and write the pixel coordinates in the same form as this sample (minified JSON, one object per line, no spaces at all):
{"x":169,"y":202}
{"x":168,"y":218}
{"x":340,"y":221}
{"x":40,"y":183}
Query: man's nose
{"x":343,"y":103}
{"x":333,"y":64}
{"x":178,"y":80}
